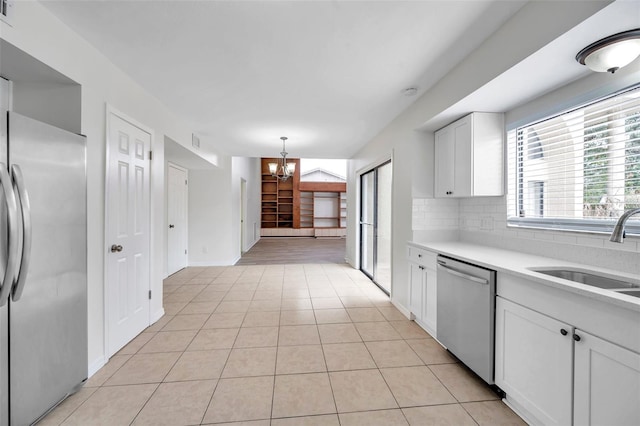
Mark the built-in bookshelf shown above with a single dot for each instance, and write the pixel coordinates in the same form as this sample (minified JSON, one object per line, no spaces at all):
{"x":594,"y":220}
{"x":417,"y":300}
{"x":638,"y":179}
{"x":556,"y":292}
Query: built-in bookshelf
{"x":278,"y":197}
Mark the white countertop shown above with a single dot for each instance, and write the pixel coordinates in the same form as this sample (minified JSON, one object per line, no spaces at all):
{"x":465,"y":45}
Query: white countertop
{"x":518,"y":264}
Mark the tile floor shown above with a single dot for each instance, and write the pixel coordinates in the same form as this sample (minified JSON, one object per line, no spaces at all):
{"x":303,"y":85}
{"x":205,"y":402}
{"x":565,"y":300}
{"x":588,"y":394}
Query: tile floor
{"x":281,"y":345}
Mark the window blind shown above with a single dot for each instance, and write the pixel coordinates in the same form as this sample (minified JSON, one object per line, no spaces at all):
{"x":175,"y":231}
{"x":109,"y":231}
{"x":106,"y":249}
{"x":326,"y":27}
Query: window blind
{"x":578,"y":170}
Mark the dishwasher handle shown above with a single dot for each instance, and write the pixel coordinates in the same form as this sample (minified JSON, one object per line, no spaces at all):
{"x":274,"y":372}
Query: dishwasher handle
{"x":457,"y":273}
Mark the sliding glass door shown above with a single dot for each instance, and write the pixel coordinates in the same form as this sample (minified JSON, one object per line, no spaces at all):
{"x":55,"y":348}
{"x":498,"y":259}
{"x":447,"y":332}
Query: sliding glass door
{"x":375,"y":225}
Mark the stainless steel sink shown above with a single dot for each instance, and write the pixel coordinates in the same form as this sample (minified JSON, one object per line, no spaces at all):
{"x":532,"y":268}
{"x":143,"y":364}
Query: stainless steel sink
{"x":587,"y":278}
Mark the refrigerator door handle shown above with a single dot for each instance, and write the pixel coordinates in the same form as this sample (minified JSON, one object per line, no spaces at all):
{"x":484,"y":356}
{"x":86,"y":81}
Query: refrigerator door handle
{"x":12,"y":240}
{"x":25,"y":207}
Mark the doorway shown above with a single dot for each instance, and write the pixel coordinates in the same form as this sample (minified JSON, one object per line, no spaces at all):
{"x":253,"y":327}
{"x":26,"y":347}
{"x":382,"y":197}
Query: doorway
{"x":375,"y":225}
{"x":177,"y":239}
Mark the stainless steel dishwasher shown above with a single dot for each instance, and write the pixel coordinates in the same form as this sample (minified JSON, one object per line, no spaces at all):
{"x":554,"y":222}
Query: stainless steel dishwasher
{"x":466,"y":314}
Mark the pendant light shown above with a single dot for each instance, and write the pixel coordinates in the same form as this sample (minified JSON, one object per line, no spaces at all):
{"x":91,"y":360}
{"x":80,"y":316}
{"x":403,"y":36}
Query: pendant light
{"x":282,"y":170}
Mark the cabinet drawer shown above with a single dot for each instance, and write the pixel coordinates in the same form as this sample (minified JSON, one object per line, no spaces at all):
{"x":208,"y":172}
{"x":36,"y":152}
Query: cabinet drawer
{"x":423,"y":257}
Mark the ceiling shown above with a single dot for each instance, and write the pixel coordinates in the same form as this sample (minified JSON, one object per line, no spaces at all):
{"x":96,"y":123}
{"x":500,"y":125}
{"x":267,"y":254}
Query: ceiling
{"x":329,"y":75}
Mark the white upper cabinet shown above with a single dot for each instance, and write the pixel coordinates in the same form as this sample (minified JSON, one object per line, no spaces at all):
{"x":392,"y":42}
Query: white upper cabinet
{"x":469,"y":156}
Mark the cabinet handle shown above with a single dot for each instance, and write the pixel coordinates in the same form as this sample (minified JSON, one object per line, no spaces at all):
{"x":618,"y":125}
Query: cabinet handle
{"x":563,"y":332}
{"x":421,"y":267}
{"x":419,"y":255}
{"x":576,"y":338}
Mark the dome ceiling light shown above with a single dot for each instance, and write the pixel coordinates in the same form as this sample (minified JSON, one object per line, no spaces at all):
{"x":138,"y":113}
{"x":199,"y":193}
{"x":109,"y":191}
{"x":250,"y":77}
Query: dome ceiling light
{"x":611,"y":53}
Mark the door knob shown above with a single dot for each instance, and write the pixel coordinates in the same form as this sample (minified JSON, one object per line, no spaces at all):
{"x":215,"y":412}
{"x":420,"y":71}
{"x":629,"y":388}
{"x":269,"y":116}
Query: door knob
{"x":116,"y":248}
{"x":171,"y":226}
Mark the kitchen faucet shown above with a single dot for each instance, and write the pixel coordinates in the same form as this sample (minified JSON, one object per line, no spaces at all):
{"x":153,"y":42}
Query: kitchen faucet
{"x":618,"y":231}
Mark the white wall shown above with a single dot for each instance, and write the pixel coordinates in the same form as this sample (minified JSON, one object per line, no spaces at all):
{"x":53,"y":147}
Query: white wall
{"x":249,"y":170}
{"x":412,"y":150}
{"x":41,"y":35}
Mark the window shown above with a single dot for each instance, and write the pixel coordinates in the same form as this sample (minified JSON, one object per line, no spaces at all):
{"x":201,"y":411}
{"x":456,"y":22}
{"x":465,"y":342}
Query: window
{"x":579,"y":170}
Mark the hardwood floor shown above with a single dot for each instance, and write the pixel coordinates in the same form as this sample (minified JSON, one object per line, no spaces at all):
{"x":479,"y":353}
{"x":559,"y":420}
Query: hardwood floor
{"x":294,"y":250}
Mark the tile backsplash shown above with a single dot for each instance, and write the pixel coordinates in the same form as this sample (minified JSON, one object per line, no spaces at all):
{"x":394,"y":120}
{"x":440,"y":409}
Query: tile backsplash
{"x":483,"y":220}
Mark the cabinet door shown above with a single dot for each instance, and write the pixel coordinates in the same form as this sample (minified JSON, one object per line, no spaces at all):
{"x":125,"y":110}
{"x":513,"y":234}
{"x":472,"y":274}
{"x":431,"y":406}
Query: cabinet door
{"x":415,"y":290}
{"x":534,"y":362}
{"x":429,"y":304}
{"x":607,"y":383}
{"x":463,"y":157}
{"x":444,"y":160}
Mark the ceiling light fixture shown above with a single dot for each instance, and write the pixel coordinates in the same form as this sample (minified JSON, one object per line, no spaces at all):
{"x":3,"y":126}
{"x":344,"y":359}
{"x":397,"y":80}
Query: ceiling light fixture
{"x":282,"y":170}
{"x":611,"y":53}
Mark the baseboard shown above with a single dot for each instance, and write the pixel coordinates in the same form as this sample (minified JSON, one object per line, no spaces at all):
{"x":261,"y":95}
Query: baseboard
{"x":96,"y":365}
{"x":521,"y":411}
{"x":252,"y":244}
{"x":156,"y":316}
{"x":404,"y":311}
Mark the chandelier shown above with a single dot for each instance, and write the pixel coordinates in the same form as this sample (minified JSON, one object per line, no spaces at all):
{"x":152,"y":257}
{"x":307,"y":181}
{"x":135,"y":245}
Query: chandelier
{"x":282,"y":170}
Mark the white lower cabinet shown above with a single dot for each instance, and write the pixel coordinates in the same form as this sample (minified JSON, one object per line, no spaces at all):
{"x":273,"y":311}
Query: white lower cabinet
{"x":534,"y":362}
{"x":556,"y":374}
{"x":422,"y":288}
{"x":607,"y":383}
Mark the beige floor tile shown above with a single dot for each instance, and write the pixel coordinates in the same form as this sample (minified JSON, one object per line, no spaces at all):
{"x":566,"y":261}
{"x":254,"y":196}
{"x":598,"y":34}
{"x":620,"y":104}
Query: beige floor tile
{"x":326,"y":303}
{"x":172,"y":308}
{"x":295,"y":293}
{"x":234,"y":295}
{"x":198,"y":365}
{"x":302,"y":395}
{"x":323,"y":420}
{"x":391,"y":313}
{"x":216,"y":338}
{"x":295,"y":304}
{"x":297,"y":317}
{"x":347,"y":356}
{"x":361,"y":390}
{"x":199,"y":308}
{"x":211,"y":294}
{"x":136,"y":344}
{"x":186,"y":322}
{"x":68,"y":406}
{"x":332,"y":316}
{"x":233,"y":306}
{"x":372,"y":331}
{"x":409,"y":329}
{"x":414,"y":386}
{"x":438,"y":415}
{"x":338,"y":333}
{"x":247,"y":423}
{"x":262,"y":319}
{"x":157,"y":326}
{"x":180,"y":403}
{"x":294,"y":335}
{"x":264,"y":305}
{"x":101,"y":376}
{"x":144,"y":368}
{"x":374,"y":418}
{"x":225,"y":320}
{"x":257,"y":337}
{"x":247,"y":362}
{"x":319,"y":292}
{"x":492,"y":413}
{"x":300,"y":359}
{"x":268,"y":295}
{"x":111,"y":405}
{"x":169,"y":341}
{"x":462,"y":383}
{"x":365,"y":314}
{"x":393,"y":353}
{"x":431,"y":352}
{"x":241,"y":399}
{"x":356,"y":302}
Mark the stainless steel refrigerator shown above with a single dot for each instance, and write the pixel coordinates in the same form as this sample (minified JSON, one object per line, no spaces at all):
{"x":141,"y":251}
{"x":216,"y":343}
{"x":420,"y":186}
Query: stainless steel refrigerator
{"x":43,"y":268}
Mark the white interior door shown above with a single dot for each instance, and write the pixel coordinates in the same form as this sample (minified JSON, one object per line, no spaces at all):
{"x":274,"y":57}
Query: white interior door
{"x":127,"y":234}
{"x":177,"y":184}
